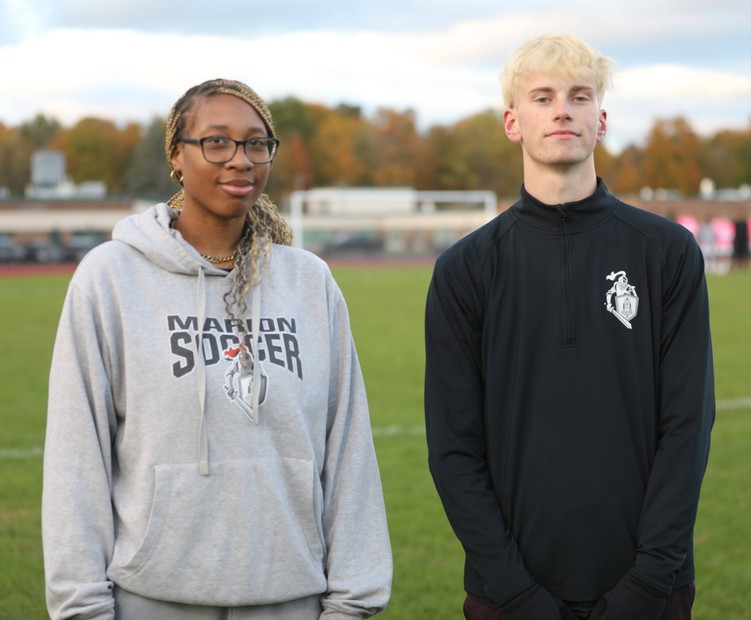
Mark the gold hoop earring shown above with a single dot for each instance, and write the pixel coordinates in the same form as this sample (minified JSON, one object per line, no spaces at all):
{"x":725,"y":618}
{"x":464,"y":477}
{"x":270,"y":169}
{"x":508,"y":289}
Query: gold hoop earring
{"x":176,"y":176}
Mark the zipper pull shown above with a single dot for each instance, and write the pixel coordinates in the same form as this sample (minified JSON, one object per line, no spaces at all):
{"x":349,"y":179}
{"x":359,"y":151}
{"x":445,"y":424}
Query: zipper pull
{"x":562,"y":214}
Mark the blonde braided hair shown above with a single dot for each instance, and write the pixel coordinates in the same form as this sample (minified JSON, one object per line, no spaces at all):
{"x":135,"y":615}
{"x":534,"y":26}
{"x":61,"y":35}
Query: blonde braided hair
{"x":264,"y":224}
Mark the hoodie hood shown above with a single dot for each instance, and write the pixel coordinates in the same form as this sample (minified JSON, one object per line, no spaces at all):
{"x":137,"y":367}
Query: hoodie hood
{"x":151,"y":234}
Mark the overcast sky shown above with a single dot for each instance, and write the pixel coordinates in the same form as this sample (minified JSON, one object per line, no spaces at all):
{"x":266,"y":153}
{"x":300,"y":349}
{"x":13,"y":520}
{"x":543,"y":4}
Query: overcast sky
{"x":129,"y":60}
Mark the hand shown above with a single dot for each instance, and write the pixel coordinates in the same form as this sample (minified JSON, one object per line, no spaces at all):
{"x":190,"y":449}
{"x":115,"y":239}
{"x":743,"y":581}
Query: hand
{"x":533,"y":604}
{"x":629,"y":599}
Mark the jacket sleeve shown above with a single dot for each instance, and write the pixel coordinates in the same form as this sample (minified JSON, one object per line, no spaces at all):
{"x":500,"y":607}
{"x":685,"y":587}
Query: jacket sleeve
{"x":77,"y":523}
{"x":359,"y":563}
{"x":686,"y":415}
{"x":454,"y":412}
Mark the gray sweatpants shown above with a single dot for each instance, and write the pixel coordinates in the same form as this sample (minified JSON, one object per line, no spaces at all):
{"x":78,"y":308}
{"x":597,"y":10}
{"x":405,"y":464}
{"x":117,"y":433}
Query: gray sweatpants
{"x":129,"y":606}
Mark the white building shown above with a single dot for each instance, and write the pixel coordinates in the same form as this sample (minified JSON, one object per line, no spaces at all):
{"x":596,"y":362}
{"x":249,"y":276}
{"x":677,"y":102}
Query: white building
{"x":49,"y":180}
{"x":406,"y":220}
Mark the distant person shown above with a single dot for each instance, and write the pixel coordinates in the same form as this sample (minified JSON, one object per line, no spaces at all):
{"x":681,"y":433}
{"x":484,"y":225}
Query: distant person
{"x":208,"y":450}
{"x":740,"y":244}
{"x":707,"y":242}
{"x":569,"y":387}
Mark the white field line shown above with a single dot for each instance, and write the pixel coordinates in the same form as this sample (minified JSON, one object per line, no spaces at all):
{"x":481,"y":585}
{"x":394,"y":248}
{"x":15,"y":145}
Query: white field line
{"x":738,"y":403}
{"x":393,"y":430}
{"x":397,"y":430}
{"x":15,"y":453}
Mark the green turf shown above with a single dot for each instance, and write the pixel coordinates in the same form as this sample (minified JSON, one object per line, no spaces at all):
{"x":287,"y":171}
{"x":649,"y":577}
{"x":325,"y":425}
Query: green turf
{"x":29,"y":308}
{"x":386,"y":307}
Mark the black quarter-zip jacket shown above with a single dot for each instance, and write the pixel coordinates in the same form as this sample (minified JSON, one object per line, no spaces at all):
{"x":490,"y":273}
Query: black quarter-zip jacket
{"x":569,"y":397}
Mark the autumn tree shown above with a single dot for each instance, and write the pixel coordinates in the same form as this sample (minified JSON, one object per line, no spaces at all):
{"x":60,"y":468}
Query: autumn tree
{"x":672,"y":157}
{"x":475,"y":154}
{"x":14,"y":161}
{"x":147,"y":174}
{"x":295,"y":125}
{"x":17,"y":146}
{"x":323,"y":146}
{"x":396,"y":148}
{"x":39,"y":132}
{"x":726,"y":158}
{"x":435,"y":162}
{"x":292,"y":168}
{"x":96,"y":150}
{"x":625,"y":176}
{"x":293,"y":117}
{"x":339,"y":150}
{"x":605,"y":162}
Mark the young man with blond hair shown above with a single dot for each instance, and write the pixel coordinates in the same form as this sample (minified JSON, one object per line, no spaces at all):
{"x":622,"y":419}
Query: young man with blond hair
{"x":569,"y":386}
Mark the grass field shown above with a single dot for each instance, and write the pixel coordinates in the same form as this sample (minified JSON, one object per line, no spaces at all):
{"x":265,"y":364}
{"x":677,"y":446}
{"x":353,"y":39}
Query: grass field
{"x":386,"y":307}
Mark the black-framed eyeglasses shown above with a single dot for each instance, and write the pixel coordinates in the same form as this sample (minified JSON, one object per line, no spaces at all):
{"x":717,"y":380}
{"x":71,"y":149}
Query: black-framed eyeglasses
{"x":221,"y":149}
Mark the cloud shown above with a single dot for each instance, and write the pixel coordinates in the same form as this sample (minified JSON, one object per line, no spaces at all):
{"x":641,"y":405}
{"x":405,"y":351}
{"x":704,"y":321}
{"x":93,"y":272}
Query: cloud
{"x":441,"y":58}
{"x":710,"y":100}
{"x":676,"y":83}
{"x":234,"y":17}
{"x":118,"y":72}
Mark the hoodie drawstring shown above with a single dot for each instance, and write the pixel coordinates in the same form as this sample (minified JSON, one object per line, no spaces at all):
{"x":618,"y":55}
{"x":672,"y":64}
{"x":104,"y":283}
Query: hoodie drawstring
{"x":203,"y":435}
{"x":255,"y":386}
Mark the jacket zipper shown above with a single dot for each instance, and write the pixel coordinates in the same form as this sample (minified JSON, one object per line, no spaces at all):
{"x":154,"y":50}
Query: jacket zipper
{"x":568,"y":314}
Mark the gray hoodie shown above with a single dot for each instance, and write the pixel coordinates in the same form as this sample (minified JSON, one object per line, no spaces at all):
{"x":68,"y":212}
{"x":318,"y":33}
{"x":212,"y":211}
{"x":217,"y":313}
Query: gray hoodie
{"x":187,"y":477}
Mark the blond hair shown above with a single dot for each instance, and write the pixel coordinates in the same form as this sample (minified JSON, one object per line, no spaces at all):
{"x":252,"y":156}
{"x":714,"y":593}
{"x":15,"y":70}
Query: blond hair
{"x":556,"y":54}
{"x":264,"y":224}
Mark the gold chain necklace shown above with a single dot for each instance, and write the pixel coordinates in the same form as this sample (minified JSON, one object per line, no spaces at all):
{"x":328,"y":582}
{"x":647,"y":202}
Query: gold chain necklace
{"x":218,"y":260}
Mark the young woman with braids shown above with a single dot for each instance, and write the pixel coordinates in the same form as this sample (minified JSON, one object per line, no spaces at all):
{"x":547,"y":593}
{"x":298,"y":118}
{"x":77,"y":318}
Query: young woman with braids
{"x":208,"y":450}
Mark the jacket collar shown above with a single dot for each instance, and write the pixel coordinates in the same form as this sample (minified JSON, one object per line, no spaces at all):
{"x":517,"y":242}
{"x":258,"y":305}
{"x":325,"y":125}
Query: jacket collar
{"x":578,"y":215}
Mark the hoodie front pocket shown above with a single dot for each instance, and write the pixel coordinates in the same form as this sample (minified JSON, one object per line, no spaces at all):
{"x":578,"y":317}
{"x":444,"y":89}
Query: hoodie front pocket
{"x":249,"y":533}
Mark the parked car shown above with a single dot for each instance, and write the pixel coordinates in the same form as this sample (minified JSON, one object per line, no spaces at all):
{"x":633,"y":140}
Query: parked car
{"x":56,"y":249}
{"x":10,"y":250}
{"x":44,"y":250}
{"x":356,"y":243}
{"x":80,"y":243}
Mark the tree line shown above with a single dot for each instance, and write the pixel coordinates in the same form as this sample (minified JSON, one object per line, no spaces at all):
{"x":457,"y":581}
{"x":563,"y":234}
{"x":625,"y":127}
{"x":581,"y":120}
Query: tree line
{"x":340,"y":146}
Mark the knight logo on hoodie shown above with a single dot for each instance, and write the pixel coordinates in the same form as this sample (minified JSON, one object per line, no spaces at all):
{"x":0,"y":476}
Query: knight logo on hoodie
{"x":239,"y":378}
